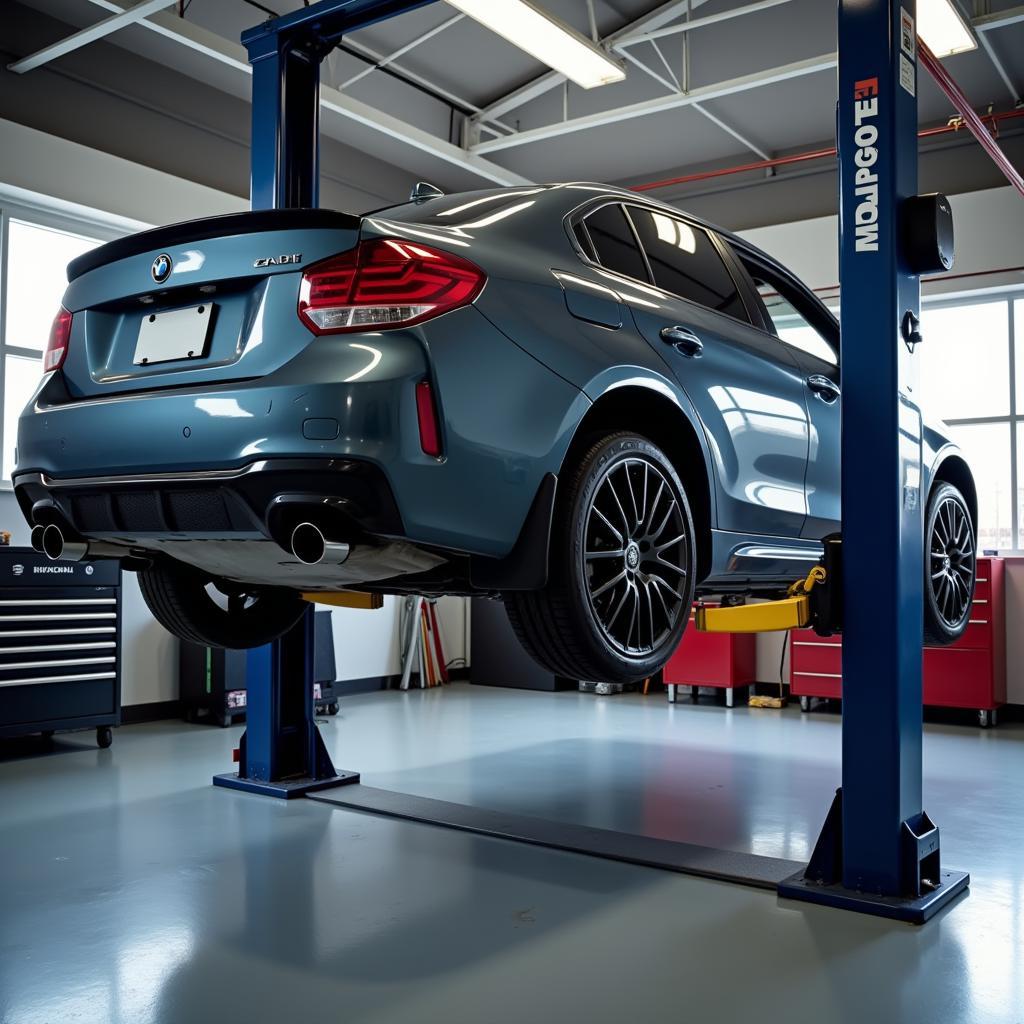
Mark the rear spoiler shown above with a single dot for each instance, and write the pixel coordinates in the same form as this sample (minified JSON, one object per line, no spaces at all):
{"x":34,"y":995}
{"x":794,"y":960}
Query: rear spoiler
{"x":210,"y":227}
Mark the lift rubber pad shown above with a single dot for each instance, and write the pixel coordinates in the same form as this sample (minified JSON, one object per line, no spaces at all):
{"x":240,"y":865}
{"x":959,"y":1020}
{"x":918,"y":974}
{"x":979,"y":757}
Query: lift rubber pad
{"x":687,"y":858}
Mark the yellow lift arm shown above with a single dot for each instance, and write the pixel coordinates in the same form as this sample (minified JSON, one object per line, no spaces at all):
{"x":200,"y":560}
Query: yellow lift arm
{"x":792,"y":612}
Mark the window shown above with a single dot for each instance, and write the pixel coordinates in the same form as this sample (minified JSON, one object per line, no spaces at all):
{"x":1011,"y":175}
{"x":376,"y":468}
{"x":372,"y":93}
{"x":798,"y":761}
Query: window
{"x":615,"y":242}
{"x":790,"y":324}
{"x":684,"y":261}
{"x":965,"y":380}
{"x":33,"y":276}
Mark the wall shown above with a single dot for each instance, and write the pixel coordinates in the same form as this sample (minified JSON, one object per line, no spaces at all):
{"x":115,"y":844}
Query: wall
{"x":988,"y":228}
{"x":41,"y":170}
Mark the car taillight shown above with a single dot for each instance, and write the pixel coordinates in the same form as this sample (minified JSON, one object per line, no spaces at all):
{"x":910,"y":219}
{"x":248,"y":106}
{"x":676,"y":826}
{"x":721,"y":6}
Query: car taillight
{"x":57,"y":346}
{"x":385,"y":283}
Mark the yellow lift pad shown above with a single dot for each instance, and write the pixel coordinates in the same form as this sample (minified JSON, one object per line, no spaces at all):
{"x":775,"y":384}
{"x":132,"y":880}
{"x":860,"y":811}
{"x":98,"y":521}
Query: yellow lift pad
{"x":345,"y":599}
{"x":791,"y":612}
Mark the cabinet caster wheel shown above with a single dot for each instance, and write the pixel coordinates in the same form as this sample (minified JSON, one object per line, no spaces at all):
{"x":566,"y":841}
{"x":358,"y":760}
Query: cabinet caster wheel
{"x":333,"y":708}
{"x":805,"y":704}
{"x":987,"y":719}
{"x":104,"y":736}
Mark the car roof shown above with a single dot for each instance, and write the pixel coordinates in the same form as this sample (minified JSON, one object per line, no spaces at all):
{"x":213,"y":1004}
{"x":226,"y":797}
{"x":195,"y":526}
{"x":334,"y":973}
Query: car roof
{"x":571,"y":194}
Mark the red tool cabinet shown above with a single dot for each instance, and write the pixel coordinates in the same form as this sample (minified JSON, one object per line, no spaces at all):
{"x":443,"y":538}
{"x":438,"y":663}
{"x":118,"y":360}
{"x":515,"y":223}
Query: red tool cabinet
{"x":968,"y":674}
{"x":721,"y":660}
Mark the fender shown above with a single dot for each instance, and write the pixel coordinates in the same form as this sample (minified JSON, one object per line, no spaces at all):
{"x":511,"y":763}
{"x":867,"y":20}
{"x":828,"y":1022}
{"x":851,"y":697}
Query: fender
{"x":617,"y":377}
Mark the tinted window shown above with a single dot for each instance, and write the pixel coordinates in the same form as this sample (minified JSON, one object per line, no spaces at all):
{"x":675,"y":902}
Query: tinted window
{"x":583,"y":241}
{"x":790,"y":324}
{"x":685,"y":261}
{"x":615,"y":242}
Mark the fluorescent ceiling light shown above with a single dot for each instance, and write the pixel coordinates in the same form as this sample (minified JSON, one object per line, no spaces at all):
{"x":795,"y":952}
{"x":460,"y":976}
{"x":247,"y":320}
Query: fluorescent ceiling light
{"x":542,"y":36}
{"x":943,"y":29}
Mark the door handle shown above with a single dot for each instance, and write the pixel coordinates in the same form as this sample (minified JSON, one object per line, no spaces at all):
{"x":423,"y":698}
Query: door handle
{"x":825,"y":389}
{"x":683,"y":339}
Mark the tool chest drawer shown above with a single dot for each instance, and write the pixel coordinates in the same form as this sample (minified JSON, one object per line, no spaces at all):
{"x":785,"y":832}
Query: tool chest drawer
{"x":970,"y":673}
{"x":60,"y":633}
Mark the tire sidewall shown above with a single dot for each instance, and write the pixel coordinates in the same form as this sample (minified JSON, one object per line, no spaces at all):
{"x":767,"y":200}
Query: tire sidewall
{"x":613,"y":450}
{"x":936,"y":630}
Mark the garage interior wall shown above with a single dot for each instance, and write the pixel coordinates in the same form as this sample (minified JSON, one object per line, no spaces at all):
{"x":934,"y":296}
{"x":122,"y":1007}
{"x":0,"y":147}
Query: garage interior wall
{"x":54,"y":174}
{"x":35,"y":168}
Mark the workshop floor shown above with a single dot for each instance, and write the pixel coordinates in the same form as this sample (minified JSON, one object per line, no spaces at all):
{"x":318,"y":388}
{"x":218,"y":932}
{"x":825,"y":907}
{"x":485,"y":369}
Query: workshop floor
{"x":131,"y":890}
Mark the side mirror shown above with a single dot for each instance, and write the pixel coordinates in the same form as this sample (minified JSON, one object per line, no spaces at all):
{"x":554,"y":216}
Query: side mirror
{"x":928,"y":233}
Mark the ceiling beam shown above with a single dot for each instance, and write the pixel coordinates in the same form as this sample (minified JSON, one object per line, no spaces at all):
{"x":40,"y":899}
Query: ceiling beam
{"x":103,"y":28}
{"x":1000,"y":19}
{"x":233,"y":55}
{"x":783,"y":73}
{"x":650,"y":35}
{"x":552,"y":79}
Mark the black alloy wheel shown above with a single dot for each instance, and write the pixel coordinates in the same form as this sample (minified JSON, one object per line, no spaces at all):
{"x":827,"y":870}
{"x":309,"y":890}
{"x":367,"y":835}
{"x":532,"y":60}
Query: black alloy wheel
{"x":950,"y":554}
{"x":636,"y":556}
{"x":621,"y":566}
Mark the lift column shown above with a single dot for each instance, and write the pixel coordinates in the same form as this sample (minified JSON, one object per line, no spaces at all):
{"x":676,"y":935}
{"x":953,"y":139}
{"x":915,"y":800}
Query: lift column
{"x":879,"y":852}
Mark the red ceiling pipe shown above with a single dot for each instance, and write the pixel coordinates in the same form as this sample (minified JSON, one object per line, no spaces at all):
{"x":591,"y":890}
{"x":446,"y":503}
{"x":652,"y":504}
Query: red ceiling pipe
{"x":953,"y":92}
{"x":819,"y":154}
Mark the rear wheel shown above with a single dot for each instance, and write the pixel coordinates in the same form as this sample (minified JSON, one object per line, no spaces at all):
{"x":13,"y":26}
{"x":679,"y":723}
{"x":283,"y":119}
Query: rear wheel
{"x":949,"y":562}
{"x":621,"y":573}
{"x":216,"y":613}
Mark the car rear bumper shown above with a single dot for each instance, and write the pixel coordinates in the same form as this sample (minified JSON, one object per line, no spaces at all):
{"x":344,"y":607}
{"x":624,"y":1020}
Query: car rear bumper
{"x":262,"y":499}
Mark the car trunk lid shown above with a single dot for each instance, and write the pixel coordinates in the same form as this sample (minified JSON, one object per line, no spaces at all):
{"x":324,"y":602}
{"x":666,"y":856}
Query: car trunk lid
{"x":201,"y":302}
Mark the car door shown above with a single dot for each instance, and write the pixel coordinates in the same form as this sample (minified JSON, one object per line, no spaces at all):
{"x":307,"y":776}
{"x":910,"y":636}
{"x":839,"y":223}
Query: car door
{"x":806,"y":327}
{"x":746,"y":388}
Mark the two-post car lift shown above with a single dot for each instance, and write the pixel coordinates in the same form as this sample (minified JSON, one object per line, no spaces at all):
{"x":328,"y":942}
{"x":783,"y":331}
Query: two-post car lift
{"x":878,"y":852}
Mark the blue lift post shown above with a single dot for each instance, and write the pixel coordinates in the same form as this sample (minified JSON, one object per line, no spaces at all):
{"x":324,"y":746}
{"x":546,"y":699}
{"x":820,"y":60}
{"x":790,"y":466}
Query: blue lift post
{"x":879,"y":852}
{"x":282,"y":753}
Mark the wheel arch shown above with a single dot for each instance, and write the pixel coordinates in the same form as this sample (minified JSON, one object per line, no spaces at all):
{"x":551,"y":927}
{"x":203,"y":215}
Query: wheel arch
{"x":952,"y":468}
{"x":657,"y":413}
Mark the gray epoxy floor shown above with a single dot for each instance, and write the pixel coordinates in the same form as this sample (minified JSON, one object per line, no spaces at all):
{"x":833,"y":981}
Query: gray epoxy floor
{"x":131,"y":890}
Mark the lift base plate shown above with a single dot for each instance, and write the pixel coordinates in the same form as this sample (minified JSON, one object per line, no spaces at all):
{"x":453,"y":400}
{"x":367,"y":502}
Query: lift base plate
{"x":286,"y":789}
{"x":913,"y":911}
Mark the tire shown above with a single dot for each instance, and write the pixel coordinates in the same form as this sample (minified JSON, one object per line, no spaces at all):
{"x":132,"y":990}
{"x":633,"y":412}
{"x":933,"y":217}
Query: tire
{"x":184,"y":602}
{"x":620,"y":583}
{"x":949,"y":566}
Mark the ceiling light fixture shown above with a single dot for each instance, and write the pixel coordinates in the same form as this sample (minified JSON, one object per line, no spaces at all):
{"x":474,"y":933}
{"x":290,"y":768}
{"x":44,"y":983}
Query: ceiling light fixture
{"x":545,"y":37}
{"x":943,"y":28}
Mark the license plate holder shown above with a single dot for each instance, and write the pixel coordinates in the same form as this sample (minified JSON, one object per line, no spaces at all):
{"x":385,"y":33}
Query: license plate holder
{"x":176,"y":334}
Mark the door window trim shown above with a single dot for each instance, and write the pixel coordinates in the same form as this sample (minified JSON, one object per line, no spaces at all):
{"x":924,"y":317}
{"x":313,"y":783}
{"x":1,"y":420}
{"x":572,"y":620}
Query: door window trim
{"x":739,"y":254}
{"x":579,"y":215}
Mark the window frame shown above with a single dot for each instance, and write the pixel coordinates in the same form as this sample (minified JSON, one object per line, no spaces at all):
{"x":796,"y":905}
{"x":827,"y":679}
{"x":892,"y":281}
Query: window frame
{"x":823,"y":315}
{"x":50,"y":219}
{"x":577,"y":219}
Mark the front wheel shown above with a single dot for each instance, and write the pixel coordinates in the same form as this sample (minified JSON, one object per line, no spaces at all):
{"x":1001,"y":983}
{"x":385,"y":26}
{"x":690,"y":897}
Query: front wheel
{"x":621,"y":574}
{"x":215,"y":613}
{"x":949,"y":564}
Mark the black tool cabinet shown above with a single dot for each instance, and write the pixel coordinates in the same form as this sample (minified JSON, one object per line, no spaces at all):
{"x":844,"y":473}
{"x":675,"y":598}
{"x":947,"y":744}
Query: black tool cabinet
{"x":60,"y":645}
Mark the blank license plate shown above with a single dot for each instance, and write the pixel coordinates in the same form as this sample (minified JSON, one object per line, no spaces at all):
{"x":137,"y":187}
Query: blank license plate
{"x":176,"y":334}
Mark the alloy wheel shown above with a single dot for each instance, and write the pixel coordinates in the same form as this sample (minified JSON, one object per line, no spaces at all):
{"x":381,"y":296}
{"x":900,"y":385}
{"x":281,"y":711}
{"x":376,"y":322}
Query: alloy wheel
{"x":951,"y":562}
{"x":636,"y":556}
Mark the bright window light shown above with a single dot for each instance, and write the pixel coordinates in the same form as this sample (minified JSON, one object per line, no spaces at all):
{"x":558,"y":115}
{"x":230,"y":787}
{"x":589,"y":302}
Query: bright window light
{"x":943,"y":29}
{"x":542,"y":36}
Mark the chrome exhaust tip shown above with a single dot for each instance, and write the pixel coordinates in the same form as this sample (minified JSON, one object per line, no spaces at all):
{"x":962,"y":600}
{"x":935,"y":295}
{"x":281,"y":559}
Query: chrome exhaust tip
{"x":56,"y":548}
{"x":36,"y":537}
{"x":311,"y":547}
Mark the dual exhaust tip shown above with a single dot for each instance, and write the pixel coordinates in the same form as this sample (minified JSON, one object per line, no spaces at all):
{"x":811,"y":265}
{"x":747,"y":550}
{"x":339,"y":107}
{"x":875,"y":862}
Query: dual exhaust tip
{"x":50,"y":540}
{"x":308,"y":544}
